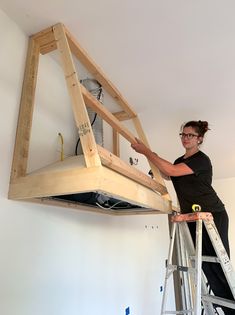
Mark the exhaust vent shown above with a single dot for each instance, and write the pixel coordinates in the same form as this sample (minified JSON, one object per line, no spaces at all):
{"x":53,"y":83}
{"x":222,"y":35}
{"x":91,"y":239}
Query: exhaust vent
{"x":95,"y":88}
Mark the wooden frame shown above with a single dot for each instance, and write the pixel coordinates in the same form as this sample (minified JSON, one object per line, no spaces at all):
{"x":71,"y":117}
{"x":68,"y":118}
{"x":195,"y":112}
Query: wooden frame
{"x":97,"y":169}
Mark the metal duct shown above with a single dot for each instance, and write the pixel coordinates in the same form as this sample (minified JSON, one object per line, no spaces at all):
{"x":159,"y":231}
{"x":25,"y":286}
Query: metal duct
{"x":95,"y":88}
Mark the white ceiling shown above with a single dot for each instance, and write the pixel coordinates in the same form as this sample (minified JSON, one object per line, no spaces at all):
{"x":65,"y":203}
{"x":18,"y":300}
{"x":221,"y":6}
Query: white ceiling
{"x":173,"y":60}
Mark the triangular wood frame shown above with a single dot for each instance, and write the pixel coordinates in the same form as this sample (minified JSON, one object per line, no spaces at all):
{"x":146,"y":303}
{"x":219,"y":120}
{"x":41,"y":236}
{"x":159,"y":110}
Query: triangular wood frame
{"x":97,"y":169}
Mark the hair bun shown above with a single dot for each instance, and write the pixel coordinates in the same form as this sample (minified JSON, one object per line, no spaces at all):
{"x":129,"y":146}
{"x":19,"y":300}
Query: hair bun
{"x":203,"y":125}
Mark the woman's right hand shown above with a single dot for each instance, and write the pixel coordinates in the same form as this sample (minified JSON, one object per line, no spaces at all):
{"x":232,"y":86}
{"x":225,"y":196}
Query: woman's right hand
{"x":140,"y":147}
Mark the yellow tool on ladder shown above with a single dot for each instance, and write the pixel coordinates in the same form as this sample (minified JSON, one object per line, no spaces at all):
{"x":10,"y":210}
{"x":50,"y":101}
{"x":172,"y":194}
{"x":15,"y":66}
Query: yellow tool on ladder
{"x":198,"y":296}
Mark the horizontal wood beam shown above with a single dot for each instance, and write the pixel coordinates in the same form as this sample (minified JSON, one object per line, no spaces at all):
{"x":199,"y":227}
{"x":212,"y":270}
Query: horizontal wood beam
{"x":67,"y":178}
{"x":46,"y":40}
{"x":53,"y":183}
{"x":122,"y":116}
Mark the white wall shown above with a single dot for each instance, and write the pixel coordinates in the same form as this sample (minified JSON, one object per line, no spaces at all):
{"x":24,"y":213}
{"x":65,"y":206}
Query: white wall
{"x":59,"y":261}
{"x":52,"y":115}
{"x":225,"y":189}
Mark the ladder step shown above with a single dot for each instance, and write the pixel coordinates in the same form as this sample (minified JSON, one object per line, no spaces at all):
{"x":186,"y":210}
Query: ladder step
{"x":190,"y":217}
{"x":219,"y":301}
{"x":179,"y":312}
{"x":180,"y":268}
{"x":207,"y":259}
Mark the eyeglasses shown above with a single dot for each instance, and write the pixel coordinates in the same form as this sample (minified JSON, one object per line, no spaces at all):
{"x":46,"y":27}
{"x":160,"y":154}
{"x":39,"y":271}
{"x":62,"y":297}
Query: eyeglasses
{"x":187,"y":135}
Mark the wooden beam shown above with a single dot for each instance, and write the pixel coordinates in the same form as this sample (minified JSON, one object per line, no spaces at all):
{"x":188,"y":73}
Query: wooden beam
{"x":142,"y":137}
{"x":110,"y":160}
{"x":76,"y":180}
{"x":87,"y":138}
{"x":124,"y":188}
{"x":53,"y":183}
{"x":111,"y":120}
{"x":21,"y":151}
{"x":103,"y":112}
{"x":45,"y":49}
{"x":46,"y":40}
{"x":116,"y":143}
{"x":97,"y":170}
{"x":121,"y":115}
{"x":98,"y":74}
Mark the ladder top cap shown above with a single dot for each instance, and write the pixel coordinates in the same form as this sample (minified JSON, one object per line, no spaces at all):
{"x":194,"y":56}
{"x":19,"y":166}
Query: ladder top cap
{"x":190,"y":217}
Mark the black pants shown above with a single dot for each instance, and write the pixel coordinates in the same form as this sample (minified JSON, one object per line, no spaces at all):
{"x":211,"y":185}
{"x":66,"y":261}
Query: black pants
{"x":213,"y":271}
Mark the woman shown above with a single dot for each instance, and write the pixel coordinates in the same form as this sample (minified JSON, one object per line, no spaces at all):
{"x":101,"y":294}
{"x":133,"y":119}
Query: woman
{"x":191,"y":175}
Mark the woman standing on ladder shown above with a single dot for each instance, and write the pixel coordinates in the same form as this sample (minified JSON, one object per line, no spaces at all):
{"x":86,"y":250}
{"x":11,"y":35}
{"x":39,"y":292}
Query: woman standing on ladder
{"x":191,"y":175}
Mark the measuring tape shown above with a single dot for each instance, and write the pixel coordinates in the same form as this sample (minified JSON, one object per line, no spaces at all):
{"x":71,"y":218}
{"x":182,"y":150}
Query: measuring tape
{"x":196,"y":208}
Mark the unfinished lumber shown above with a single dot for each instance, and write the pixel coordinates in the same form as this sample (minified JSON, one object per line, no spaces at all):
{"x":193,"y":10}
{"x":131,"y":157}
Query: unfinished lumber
{"x":96,"y":170}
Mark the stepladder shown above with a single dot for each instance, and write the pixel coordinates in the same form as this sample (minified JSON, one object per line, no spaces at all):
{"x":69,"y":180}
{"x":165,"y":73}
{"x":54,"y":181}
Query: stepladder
{"x":197,"y":296}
